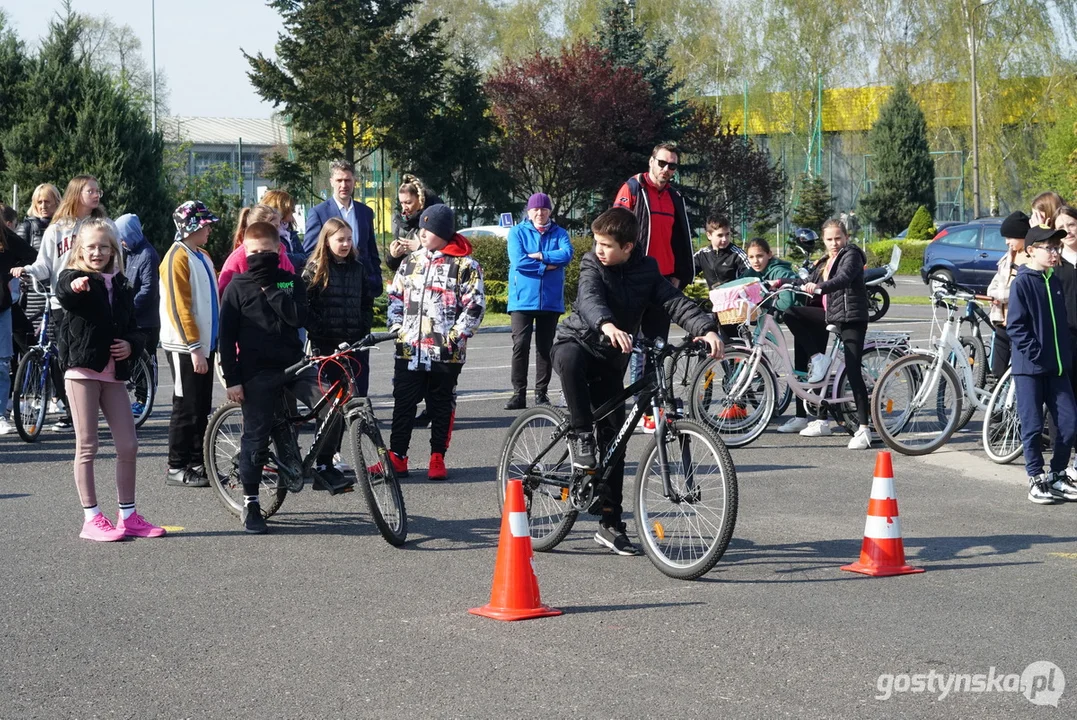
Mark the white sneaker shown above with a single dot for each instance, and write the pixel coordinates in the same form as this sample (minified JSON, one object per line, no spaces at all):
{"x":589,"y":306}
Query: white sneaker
{"x":817,"y":367}
{"x":1071,"y":473}
{"x":793,"y":425}
{"x":339,"y":464}
{"x":56,"y":406}
{"x":5,"y":427}
{"x":861,"y":440}
{"x":817,"y":428}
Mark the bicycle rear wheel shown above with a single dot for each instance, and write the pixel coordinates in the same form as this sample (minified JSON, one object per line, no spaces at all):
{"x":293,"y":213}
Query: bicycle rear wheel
{"x":976,"y":356}
{"x":916,"y":404}
{"x":1002,"y":426}
{"x":375,"y":474}
{"x":30,"y":398}
{"x":686,"y":535}
{"x":221,"y":457}
{"x":141,"y":389}
{"x":529,"y":443}
{"x":736,"y":407}
{"x":872,"y":365}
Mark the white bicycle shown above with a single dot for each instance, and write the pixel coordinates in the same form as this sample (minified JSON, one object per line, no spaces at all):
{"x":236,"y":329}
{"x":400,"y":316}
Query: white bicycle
{"x":921,"y":400}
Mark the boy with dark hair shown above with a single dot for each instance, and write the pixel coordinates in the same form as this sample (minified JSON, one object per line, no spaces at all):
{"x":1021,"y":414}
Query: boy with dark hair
{"x":1040,"y":338}
{"x":616,"y":286}
{"x":261,"y":313}
{"x":721,"y":261}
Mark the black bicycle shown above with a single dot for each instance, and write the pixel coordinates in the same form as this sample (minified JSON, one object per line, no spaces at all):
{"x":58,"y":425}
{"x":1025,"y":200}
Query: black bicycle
{"x":287,"y":470}
{"x":685,"y":499}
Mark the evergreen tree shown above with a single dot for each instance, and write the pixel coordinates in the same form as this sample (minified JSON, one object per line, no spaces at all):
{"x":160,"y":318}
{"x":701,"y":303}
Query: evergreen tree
{"x":350,"y":76}
{"x":922,"y":225}
{"x":14,"y":68}
{"x":904,"y":170}
{"x":626,"y":42}
{"x":80,"y":121}
{"x":815,"y":206}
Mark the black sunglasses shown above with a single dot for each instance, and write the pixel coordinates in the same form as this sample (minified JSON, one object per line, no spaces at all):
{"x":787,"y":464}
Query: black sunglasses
{"x":662,"y":164}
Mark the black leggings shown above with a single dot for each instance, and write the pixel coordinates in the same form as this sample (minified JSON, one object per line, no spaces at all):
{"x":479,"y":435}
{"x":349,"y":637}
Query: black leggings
{"x":808,"y":326}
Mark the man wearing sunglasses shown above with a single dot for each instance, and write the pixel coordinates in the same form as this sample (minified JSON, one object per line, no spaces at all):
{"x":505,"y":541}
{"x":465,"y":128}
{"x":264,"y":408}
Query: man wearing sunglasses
{"x":664,"y":234}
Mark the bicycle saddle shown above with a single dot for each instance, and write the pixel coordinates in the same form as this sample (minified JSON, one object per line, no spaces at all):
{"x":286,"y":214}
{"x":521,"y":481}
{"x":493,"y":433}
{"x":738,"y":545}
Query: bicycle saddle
{"x":875,"y":274}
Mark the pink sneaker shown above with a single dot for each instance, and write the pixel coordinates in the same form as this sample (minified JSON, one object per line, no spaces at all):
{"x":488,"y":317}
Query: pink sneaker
{"x":100,"y":529}
{"x":136,"y":526}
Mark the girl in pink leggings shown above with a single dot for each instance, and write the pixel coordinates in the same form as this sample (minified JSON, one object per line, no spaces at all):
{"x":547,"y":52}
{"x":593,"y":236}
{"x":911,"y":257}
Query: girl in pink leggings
{"x":97,"y":340}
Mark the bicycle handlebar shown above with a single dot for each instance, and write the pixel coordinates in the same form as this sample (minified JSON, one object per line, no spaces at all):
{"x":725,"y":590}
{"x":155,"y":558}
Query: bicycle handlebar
{"x":369,"y":341}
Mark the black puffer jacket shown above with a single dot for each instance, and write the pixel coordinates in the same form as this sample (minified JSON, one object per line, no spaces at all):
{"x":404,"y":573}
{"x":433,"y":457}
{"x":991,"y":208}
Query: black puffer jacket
{"x":847,"y":297}
{"x":339,"y":312}
{"x":91,"y":323}
{"x":14,"y":252}
{"x":32,"y":229}
{"x":619,"y":294}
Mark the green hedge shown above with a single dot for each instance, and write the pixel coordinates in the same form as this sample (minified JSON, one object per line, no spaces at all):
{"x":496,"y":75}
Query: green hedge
{"x":912,"y":254}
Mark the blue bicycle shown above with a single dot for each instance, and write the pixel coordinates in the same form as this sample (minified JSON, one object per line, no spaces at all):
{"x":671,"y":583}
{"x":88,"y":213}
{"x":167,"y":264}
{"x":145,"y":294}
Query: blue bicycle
{"x":34,"y":378}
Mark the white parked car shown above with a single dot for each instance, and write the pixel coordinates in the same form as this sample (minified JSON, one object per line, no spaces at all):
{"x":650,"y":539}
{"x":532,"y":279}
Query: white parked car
{"x":496,"y":230}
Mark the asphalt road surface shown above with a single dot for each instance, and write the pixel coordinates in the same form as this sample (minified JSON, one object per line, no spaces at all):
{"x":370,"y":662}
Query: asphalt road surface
{"x":322,"y":619}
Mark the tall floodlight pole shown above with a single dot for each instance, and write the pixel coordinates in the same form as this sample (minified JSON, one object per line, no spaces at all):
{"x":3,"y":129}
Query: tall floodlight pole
{"x":974,"y":90}
{"x":153,"y":63}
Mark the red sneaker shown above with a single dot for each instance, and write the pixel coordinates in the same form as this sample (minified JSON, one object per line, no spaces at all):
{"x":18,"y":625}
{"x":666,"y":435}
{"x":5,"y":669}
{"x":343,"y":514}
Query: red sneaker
{"x":437,"y":469}
{"x":400,"y":465}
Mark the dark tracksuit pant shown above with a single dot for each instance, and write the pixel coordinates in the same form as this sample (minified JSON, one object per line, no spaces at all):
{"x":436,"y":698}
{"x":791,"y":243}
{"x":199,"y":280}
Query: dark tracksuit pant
{"x":437,"y":386}
{"x":262,"y":404}
{"x":1000,"y":351}
{"x":192,"y":400}
{"x":543,"y":324}
{"x":1033,"y":392}
{"x":589,"y":382}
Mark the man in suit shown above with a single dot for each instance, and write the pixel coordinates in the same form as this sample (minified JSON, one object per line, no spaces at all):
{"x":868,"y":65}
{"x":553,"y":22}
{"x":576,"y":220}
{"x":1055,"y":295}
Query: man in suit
{"x":361,"y":219}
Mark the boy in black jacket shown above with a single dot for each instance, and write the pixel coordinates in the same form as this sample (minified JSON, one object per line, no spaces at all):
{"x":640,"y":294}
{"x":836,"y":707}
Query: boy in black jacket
{"x":261,"y":313}
{"x":615,"y":288}
{"x":1041,"y":361}
{"x":721,"y":261}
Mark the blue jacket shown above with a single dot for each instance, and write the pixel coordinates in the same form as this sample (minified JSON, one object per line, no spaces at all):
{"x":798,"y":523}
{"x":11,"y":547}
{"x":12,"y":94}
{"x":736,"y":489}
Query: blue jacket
{"x":365,"y":240}
{"x":532,"y":286}
{"x":1037,"y":324}
{"x":141,"y":269}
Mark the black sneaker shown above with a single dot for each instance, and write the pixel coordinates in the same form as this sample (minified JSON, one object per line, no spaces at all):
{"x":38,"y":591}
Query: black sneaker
{"x":1039,"y":492}
{"x":585,"y":452}
{"x":185,"y":477}
{"x":199,"y":470}
{"x":253,"y":522}
{"x":517,"y":402}
{"x":615,"y":539}
{"x":541,"y":398}
{"x":328,"y":478}
{"x":1059,"y":485}
{"x":61,"y":425}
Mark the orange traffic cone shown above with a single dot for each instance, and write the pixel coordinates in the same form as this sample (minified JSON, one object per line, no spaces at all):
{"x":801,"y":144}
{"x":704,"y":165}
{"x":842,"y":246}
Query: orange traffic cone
{"x":515,"y":594}
{"x":883,"y":552}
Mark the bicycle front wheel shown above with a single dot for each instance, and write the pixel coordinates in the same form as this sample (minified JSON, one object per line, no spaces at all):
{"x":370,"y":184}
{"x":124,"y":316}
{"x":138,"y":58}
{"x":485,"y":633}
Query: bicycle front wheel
{"x":916,"y":404}
{"x":141,"y":389}
{"x":30,"y":399}
{"x":686,"y":533}
{"x":535,"y":454}
{"x":221,"y":456}
{"x":376,"y":477}
{"x":1002,"y":426}
{"x":735,"y":406}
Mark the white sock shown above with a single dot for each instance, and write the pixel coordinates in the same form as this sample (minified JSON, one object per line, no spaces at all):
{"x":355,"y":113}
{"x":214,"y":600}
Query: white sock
{"x":91,"y":512}
{"x":127,"y":510}
{"x":864,"y":428}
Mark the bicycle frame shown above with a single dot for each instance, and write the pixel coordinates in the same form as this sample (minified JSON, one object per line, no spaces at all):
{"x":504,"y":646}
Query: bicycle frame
{"x":949,"y":343}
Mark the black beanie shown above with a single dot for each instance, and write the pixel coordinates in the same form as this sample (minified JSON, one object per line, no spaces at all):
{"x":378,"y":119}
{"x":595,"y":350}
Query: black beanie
{"x":439,"y":220}
{"x":1015,"y":225}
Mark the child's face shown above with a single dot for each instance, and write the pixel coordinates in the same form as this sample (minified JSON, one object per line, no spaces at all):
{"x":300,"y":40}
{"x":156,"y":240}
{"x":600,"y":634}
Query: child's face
{"x":719,"y":237}
{"x":97,"y":251}
{"x":1043,"y":256}
{"x":834,"y":239}
{"x":90,"y":197}
{"x":1069,"y":224}
{"x":758,"y":258}
{"x":609,"y":253}
{"x":252,"y":245}
{"x":199,"y":237}
{"x":1015,"y":245}
{"x":430,"y":241}
{"x":340,"y":243}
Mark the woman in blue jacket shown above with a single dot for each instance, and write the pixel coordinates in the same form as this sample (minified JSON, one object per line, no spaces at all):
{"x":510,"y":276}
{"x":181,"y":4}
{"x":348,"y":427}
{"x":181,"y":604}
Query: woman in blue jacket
{"x":539,"y":251}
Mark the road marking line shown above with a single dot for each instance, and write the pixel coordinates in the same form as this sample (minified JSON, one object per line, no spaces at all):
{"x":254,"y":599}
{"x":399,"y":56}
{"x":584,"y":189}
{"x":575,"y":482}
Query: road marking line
{"x":1068,"y":556}
{"x":173,"y":528}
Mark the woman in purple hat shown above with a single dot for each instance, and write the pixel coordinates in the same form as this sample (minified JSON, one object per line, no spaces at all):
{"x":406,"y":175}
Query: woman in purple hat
{"x":539,"y":251}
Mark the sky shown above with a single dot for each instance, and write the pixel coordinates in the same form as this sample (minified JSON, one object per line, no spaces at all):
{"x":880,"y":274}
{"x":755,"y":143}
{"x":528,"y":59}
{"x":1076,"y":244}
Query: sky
{"x":198,"y":46}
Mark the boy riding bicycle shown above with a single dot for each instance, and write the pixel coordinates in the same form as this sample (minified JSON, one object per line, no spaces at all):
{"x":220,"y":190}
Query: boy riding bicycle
{"x":261,"y":313}
{"x":616,"y":285}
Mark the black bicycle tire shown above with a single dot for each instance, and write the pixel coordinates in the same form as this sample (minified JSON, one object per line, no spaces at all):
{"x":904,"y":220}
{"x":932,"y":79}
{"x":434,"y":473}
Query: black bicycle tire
{"x":269,"y":502}
{"x":760,"y":426}
{"x":30,"y":434}
{"x":847,"y":417}
{"x":151,"y":390}
{"x":644,"y":529}
{"x":884,"y":303}
{"x":358,"y":428}
{"x":562,"y":527}
{"x":876,"y":411}
{"x":986,"y":434}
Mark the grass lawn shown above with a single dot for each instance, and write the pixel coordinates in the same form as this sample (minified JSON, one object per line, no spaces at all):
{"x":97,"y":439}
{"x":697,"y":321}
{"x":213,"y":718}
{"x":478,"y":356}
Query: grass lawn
{"x":491,"y":318}
{"x":909,"y":300}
